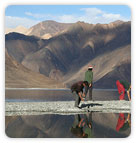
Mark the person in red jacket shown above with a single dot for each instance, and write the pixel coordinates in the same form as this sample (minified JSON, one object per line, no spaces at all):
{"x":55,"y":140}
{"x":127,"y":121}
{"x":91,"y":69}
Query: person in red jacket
{"x":122,"y":86}
{"x":123,"y":122}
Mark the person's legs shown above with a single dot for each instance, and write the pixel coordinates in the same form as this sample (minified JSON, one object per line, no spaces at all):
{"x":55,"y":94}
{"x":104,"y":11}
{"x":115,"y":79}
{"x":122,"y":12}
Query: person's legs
{"x":85,"y":90}
{"x":90,"y":93}
{"x":77,"y":100}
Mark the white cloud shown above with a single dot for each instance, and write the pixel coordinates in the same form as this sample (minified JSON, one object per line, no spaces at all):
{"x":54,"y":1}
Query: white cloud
{"x":111,"y":16}
{"x":91,"y":11}
{"x":37,"y":16}
{"x":66,"y":18}
{"x":92,"y":15}
{"x":12,"y":22}
{"x":89,"y":15}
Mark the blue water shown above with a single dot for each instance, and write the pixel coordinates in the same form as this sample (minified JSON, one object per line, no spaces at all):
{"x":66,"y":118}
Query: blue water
{"x":55,"y":95}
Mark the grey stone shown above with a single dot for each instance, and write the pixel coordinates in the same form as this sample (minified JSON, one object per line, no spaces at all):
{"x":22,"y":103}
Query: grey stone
{"x":66,"y":107}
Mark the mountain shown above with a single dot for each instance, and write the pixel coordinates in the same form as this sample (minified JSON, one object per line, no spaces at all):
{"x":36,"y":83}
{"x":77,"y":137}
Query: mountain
{"x":47,"y":29}
{"x":122,"y":71}
{"x":17,"y":76}
{"x":18,"y":29}
{"x":65,"y":57}
{"x":19,"y":45}
{"x":108,"y":68}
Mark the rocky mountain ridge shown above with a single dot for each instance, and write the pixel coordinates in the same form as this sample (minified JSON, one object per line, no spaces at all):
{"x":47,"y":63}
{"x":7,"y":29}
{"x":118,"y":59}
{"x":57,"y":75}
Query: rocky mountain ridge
{"x":105,"y":46}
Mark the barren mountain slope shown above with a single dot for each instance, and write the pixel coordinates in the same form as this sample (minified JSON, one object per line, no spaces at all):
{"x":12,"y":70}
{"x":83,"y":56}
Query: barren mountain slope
{"x":73,"y":49}
{"x":17,"y":75}
{"x":103,"y":65}
{"x":19,"y":45}
{"x":64,"y":56}
{"x":47,"y":29}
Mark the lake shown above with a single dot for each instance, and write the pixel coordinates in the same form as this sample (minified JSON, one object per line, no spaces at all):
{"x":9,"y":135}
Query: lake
{"x":91,"y":124}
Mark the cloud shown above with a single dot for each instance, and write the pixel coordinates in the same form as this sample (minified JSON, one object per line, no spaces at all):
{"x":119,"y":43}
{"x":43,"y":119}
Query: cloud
{"x":12,"y":22}
{"x":67,"y":19}
{"x":92,"y":15}
{"x":95,"y":15}
{"x":36,"y":15}
{"x":91,"y":11}
{"x":111,"y":16}
{"x":89,"y":15}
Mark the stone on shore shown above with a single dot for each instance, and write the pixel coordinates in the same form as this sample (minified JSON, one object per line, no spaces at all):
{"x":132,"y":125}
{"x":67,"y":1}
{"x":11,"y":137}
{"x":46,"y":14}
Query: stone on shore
{"x":66,"y":107}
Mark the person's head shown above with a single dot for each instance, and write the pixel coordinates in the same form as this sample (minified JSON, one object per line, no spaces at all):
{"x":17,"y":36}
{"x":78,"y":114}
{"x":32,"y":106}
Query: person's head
{"x":90,"y":68}
{"x":85,"y":83}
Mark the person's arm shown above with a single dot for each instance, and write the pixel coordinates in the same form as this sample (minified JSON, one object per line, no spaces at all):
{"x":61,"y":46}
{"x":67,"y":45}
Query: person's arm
{"x":128,"y":95}
{"x":90,"y":84}
{"x":79,"y":94}
{"x":90,"y":125}
{"x":128,"y":119}
{"x":83,"y":94}
{"x":91,"y":79}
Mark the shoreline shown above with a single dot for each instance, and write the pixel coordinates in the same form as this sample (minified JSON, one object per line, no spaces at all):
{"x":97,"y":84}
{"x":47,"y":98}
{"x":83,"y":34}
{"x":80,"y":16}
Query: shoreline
{"x":66,"y":107}
{"x":59,"y":89}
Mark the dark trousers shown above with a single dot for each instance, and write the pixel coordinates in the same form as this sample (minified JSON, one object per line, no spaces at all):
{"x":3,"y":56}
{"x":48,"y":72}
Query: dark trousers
{"x":88,"y":118}
{"x":77,"y":99}
{"x":89,"y":89}
{"x":90,"y":93}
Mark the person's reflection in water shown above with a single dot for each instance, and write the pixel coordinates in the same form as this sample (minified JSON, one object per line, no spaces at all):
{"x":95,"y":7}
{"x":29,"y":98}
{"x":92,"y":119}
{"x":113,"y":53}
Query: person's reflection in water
{"x":123,"y":123}
{"x":88,"y":125}
{"x":82,"y":126}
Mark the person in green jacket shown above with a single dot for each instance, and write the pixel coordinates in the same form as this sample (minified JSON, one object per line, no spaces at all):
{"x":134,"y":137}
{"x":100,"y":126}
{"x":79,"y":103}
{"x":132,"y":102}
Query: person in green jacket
{"x":89,"y":79}
{"x":77,"y":127}
{"x":88,"y":126}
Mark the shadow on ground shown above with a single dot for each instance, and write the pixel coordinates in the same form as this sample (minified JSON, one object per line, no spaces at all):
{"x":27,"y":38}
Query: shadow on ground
{"x":92,"y":105}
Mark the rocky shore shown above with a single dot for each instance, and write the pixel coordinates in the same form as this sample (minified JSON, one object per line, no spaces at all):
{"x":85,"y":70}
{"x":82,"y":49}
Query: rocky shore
{"x":67,"y":107}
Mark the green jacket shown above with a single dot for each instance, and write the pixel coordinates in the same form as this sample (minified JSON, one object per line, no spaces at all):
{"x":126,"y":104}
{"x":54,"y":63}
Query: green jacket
{"x":88,"y":131}
{"x":125,"y":84}
{"x":89,"y":76}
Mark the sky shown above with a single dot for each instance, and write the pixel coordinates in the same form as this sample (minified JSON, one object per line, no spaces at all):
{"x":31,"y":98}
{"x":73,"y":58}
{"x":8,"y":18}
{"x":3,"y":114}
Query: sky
{"x":29,"y":15}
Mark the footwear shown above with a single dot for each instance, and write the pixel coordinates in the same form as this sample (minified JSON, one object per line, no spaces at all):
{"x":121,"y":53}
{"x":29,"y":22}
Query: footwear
{"x":79,"y":107}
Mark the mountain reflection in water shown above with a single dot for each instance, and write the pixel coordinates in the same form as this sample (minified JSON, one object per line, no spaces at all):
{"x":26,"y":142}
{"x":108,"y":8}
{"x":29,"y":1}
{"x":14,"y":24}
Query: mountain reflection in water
{"x":92,"y":125}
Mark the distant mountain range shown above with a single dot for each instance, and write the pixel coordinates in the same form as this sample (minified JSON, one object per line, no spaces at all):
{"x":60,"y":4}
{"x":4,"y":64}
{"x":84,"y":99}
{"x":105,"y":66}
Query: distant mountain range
{"x":66,"y":55}
{"x":44,"y":30}
{"x":18,"y":29}
{"x":47,"y":29}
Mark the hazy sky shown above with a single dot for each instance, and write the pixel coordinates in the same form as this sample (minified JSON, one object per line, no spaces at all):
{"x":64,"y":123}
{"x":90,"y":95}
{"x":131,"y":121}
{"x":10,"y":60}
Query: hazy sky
{"x":29,"y":15}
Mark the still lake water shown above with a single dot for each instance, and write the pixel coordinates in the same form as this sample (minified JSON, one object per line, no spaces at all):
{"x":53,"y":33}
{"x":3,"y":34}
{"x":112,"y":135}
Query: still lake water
{"x":92,"y":125}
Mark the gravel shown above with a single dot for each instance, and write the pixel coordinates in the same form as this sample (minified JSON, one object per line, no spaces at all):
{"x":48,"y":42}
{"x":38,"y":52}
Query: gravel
{"x":66,"y":107}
